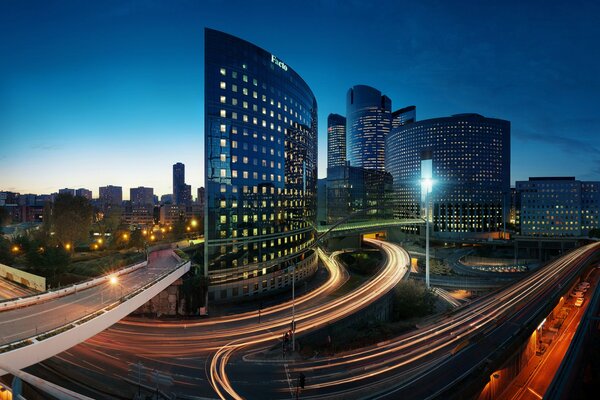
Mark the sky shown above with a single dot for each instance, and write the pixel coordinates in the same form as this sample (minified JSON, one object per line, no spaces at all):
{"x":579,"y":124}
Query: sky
{"x":111,"y":92}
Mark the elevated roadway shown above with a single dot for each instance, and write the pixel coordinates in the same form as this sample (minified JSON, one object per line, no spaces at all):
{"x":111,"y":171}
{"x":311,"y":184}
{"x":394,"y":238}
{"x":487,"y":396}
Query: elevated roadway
{"x":39,"y":331}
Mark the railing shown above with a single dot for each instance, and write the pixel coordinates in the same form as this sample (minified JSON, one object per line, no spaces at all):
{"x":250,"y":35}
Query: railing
{"x":87,"y":318}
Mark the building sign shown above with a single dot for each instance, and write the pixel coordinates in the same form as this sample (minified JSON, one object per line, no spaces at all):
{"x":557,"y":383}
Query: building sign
{"x":278,"y":62}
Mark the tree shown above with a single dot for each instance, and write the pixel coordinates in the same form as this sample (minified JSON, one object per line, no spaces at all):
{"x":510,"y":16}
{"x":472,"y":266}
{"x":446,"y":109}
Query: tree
{"x":412,"y":299}
{"x":71,"y":218}
{"x":5,"y":217}
{"x":595,"y":233}
{"x":6,"y":256}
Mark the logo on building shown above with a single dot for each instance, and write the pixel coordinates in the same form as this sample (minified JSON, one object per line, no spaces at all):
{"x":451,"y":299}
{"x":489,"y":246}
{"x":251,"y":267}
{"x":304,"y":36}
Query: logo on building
{"x":278,"y":62}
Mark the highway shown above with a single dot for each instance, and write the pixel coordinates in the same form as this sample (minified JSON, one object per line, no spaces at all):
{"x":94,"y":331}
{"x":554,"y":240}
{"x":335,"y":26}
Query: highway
{"x":22,"y":323}
{"x":10,"y":290}
{"x":191,"y":352}
{"x":232,"y":359}
{"x":410,"y":366}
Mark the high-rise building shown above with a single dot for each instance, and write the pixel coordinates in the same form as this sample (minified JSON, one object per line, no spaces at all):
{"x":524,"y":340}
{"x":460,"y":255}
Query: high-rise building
{"x":353,"y":189}
{"x":403,"y":116}
{"x":336,"y":140}
{"x":141,"y":196}
{"x":111,"y":195}
{"x":200,"y":196}
{"x":261,"y":169}
{"x":369,"y":119}
{"x":67,"y":191}
{"x":179,"y":186}
{"x":471,"y":172}
{"x":557,"y":206}
{"x":84,"y":193}
{"x":166,"y":199}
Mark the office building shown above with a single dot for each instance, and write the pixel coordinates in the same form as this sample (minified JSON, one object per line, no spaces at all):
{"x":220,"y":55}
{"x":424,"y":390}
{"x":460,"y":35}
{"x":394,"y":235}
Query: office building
{"x":85,"y":193}
{"x":336,"y":140}
{"x":403,"y":116}
{"x":182,"y":193}
{"x":557,"y":206}
{"x":200,"y":196}
{"x":471,"y":173}
{"x":261,"y":169}
{"x":111,"y":195}
{"x":141,"y":196}
{"x":369,"y":120}
{"x":363,"y":191}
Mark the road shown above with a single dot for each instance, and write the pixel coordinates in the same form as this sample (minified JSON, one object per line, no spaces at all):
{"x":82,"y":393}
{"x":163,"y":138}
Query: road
{"x":22,"y":323}
{"x":10,"y":290}
{"x":184,"y":350}
{"x":533,"y":382}
{"x":232,"y":358}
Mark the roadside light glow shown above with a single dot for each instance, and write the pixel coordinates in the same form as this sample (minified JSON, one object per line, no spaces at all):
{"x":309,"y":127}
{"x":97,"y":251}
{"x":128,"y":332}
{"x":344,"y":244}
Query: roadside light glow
{"x":144,"y":232}
{"x":152,"y":237}
{"x":15,"y":248}
{"x":95,"y":246}
{"x":194,"y":223}
{"x":125,"y":236}
{"x":113,"y":280}
{"x":188,"y":228}
{"x":100,"y":240}
{"x":68,"y":246}
{"x":162,"y":230}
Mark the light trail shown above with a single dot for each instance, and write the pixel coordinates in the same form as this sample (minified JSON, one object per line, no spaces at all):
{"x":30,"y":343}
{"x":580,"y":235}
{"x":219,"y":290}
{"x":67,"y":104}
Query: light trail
{"x":391,"y":273}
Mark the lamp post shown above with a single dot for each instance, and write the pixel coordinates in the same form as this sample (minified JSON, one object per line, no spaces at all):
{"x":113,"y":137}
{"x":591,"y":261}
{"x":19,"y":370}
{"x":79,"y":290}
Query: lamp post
{"x":426,"y":185}
{"x":115,"y":281}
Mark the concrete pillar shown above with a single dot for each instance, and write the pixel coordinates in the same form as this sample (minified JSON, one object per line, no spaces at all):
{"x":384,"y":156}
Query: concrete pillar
{"x":17,"y":387}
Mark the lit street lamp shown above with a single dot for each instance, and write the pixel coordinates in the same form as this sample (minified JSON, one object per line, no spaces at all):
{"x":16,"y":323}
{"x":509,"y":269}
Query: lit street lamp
{"x":426,"y":186}
{"x":115,"y":281}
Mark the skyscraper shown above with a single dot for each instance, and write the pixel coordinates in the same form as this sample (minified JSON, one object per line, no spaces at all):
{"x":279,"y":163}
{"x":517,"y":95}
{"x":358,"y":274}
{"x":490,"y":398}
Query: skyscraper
{"x":336,"y":140}
{"x":369,"y":120}
{"x":178,"y":183}
{"x":471,"y":172}
{"x":403,"y":116}
{"x":261,"y":169}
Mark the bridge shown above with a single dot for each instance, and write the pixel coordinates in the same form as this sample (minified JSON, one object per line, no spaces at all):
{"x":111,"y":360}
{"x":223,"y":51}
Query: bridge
{"x":38,"y":327}
{"x":364,"y":226}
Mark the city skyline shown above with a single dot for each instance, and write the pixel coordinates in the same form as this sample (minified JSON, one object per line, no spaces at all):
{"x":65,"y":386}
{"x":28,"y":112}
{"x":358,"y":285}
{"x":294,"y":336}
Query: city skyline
{"x":131,"y":83}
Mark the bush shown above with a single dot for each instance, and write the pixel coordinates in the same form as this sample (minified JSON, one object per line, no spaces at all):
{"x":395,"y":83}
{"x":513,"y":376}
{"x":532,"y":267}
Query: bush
{"x":412,"y":299}
{"x":362,"y":262}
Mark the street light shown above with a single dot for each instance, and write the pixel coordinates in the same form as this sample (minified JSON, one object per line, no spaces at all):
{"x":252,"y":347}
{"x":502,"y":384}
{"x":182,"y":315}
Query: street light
{"x":115,"y":281}
{"x":426,"y":186}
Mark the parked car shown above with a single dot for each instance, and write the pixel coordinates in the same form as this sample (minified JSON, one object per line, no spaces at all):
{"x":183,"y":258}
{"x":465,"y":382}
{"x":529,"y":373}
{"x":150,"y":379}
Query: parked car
{"x":579,"y":302}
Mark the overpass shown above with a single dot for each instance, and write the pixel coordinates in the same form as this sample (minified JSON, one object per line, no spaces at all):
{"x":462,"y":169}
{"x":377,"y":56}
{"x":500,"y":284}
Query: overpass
{"x":35,"y":332}
{"x":360,"y":227}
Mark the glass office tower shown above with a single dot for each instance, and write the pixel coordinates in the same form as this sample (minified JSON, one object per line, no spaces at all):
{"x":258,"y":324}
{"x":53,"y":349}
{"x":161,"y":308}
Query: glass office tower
{"x":336,"y":140}
{"x":369,"y":119}
{"x":260,"y":169}
{"x":471,"y":172}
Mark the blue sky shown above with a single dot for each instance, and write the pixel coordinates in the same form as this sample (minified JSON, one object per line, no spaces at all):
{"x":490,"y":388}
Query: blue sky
{"x":111,"y":92}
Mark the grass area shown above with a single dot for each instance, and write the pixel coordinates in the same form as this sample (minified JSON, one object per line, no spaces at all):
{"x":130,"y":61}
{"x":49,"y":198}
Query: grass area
{"x":363,"y":262}
{"x":99,"y":266}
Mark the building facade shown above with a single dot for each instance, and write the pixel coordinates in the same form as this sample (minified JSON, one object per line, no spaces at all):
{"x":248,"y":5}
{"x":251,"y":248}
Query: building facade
{"x":111,"y":195}
{"x":353,"y":189}
{"x":471,"y":173}
{"x":403,"y":116}
{"x":141,"y":196}
{"x":336,"y":140}
{"x":182,"y":193}
{"x":261,"y":169}
{"x":557,"y":207}
{"x":369,"y":121}
{"x":86,"y":193}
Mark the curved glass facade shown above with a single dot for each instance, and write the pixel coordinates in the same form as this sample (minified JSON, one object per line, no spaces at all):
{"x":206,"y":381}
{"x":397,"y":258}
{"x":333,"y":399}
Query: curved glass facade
{"x":471,"y":171}
{"x":369,"y":119}
{"x":260,"y":169}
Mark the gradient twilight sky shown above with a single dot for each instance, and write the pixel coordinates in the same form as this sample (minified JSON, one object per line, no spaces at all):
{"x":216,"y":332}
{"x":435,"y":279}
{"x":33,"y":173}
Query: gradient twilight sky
{"x":111,"y":92}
